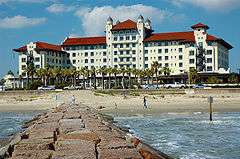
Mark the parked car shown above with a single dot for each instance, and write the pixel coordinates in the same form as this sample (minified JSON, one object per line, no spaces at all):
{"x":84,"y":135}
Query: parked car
{"x":199,"y":86}
{"x":175,"y":85}
{"x":46,"y":88}
{"x":73,"y":88}
{"x":150,"y":86}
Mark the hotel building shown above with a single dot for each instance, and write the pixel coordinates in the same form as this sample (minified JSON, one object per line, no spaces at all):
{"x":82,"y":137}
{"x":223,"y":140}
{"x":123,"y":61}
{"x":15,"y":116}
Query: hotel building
{"x":135,"y":45}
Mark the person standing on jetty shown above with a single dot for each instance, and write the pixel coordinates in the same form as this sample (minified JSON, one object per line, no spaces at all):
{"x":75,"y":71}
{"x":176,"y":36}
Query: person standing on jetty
{"x":144,"y":102}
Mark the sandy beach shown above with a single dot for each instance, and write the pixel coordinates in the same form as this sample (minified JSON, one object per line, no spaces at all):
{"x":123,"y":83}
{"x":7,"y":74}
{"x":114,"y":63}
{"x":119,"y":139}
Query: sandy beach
{"x":106,"y":103}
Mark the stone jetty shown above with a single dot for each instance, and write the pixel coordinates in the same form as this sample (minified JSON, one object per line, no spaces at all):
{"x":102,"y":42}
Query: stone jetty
{"x":77,"y":132}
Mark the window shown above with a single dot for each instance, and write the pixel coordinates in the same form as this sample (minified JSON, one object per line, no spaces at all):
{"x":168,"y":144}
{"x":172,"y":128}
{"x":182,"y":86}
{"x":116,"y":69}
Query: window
{"x":134,"y":66}
{"x":121,"y":52}
{"x":74,"y":54}
{"x":127,"y":37}
{"x":127,"y":45}
{"x":115,"y":38}
{"x":86,"y":60}
{"x":23,"y":67}
{"x":209,"y":68}
{"x":68,"y":61}
{"x":37,"y":66}
{"x":74,"y":61}
{"x":166,"y":50}
{"x":23,"y":59}
{"x":180,"y":57}
{"x":115,"y":45}
{"x":134,"y":59}
{"x":180,"y":50}
{"x":191,"y":61}
{"x":37,"y":59}
{"x":115,"y":52}
{"x":133,"y":52}
{"x":121,"y":45}
{"x":209,"y":60}
{"x":127,"y":52}
{"x":104,"y":53}
{"x":160,"y":58}
{"x":92,"y":60}
{"x":180,"y":64}
{"x":200,"y":44}
{"x":146,"y":58}
{"x":104,"y":60}
{"x":146,"y":51}
{"x":86,"y":54}
{"x":159,"y":51}
{"x":191,"y":53}
{"x":146,"y":65}
{"x":166,"y":64}
{"x":92,"y":53}
{"x":166,"y":57}
{"x":209,"y":52}
{"x":115,"y":59}
{"x":134,"y":37}
{"x":121,"y":59}
{"x":133,"y":44}
{"x":127,"y":59}
{"x":121,"y":38}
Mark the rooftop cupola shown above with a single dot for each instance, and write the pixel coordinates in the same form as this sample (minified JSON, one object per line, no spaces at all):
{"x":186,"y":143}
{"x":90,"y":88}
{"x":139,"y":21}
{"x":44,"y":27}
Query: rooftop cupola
{"x":109,"y":21}
{"x":148,"y":24}
{"x":200,"y":26}
{"x":140,"y":19}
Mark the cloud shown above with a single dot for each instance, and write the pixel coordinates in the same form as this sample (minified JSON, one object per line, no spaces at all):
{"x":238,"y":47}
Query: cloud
{"x":216,"y":5}
{"x":20,"y":22}
{"x":59,"y":8}
{"x":94,"y":19}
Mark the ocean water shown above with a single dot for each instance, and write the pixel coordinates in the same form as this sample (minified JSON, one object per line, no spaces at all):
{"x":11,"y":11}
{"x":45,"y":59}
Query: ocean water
{"x":12,"y":122}
{"x":189,"y":136}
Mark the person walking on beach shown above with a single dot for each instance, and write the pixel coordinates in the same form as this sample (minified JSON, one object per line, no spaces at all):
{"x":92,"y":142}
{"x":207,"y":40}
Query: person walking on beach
{"x":144,"y":102}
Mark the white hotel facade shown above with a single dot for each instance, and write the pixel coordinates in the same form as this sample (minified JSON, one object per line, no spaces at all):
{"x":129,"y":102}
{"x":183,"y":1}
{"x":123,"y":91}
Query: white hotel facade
{"x":135,"y":45}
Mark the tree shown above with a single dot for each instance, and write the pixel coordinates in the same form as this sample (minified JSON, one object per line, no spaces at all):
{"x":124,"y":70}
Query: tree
{"x":166,"y":71}
{"x":213,"y":80}
{"x":123,"y":72}
{"x":155,"y":65}
{"x":93,"y":75}
{"x":115,"y":71}
{"x":40,"y":73}
{"x":83,"y":72}
{"x":129,"y":72}
{"x":232,"y":79}
{"x":110,"y":71}
{"x":103,"y":72}
{"x":31,"y":70}
{"x":194,"y":76}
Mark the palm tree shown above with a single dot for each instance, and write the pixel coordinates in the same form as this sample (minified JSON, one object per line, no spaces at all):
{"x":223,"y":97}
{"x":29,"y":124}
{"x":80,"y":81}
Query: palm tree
{"x":110,"y":72}
{"x":20,"y":77}
{"x":115,"y":71}
{"x":129,"y":72}
{"x":166,"y":71}
{"x":31,"y":70}
{"x":193,"y":75}
{"x":154,"y":67}
{"x":41,"y":74}
{"x":56,"y":72}
{"x":103,"y":72}
{"x":73,"y":73}
{"x":135,"y":73}
{"x":93,"y":74}
{"x":123,"y":71}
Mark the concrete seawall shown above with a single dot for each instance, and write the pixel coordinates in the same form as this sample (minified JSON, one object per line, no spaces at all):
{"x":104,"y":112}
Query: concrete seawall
{"x":77,"y":132}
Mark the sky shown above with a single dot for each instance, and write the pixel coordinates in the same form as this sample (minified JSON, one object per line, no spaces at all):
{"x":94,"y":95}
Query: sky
{"x":23,"y":21}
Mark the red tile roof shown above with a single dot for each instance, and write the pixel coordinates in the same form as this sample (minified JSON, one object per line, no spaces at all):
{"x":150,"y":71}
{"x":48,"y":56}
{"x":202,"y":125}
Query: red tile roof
{"x":21,"y":49}
{"x":125,"y":25}
{"x":199,"y":25}
{"x":85,"y":41}
{"x":183,"y":36}
{"x":47,"y":46}
{"x":178,"y":36}
{"x":41,"y":46}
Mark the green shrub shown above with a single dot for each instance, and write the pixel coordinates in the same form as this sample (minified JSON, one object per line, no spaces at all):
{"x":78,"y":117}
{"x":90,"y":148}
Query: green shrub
{"x":34,"y":85}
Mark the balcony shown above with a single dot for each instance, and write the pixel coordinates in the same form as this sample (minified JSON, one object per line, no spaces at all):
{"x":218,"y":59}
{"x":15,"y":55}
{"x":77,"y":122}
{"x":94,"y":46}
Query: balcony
{"x":125,"y":63}
{"x":124,"y":55}
{"x":125,"y":49}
